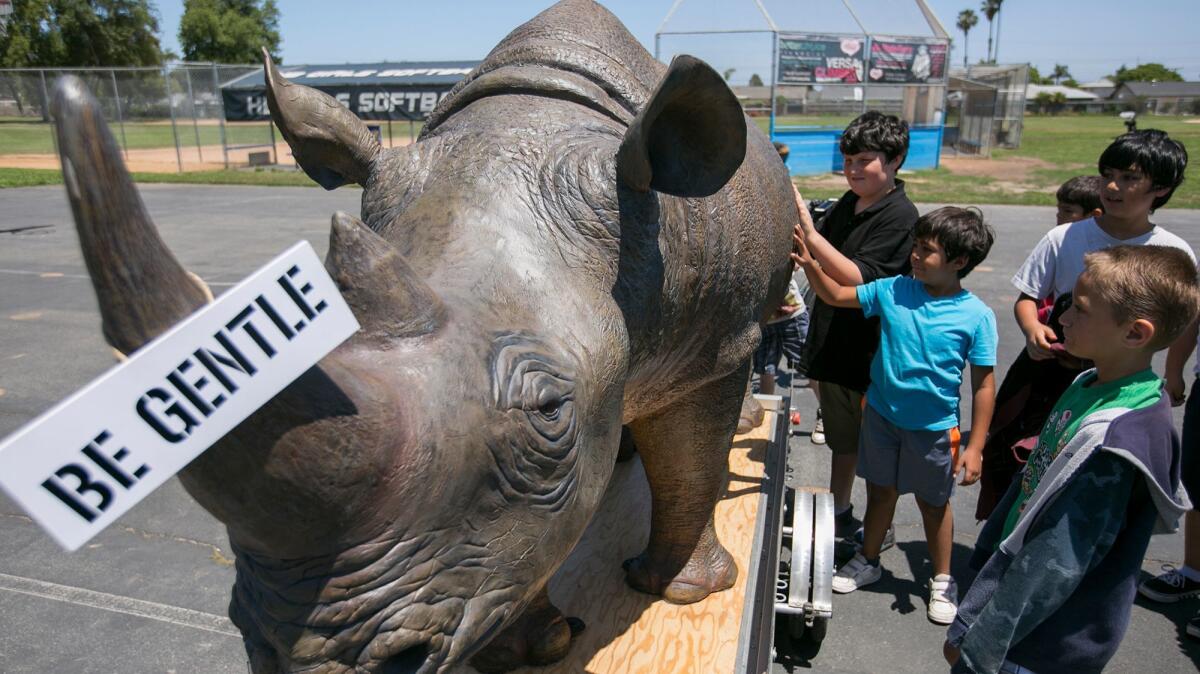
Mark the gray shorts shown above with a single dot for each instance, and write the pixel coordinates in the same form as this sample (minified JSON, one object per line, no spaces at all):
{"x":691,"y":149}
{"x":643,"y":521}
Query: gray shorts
{"x":914,"y":462}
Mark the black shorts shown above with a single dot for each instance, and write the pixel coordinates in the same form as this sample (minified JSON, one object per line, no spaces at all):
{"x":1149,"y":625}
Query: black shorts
{"x":783,"y":338}
{"x":1191,"y":445}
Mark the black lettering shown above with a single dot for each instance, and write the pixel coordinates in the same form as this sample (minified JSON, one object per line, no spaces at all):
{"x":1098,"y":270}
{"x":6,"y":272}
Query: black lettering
{"x":232,"y":350}
{"x":111,"y":465}
{"x":86,"y":484}
{"x":210,"y":362}
{"x":298,"y":296}
{"x":191,"y":389}
{"x":243,"y":318}
{"x":174,"y":410}
{"x":276,"y":318}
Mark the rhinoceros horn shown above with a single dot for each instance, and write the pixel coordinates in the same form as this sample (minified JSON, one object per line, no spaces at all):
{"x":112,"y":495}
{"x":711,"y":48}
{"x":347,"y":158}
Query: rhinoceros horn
{"x":690,"y":137}
{"x":332,"y":145}
{"x":388,"y":298}
{"x":141,"y":288}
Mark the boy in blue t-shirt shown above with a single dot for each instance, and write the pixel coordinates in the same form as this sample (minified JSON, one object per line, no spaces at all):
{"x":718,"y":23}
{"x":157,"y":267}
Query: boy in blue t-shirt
{"x":930,"y":328}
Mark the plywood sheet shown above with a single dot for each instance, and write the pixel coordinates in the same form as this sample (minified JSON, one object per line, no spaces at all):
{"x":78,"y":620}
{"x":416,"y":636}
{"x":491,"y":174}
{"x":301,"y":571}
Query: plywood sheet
{"x":632,"y":633}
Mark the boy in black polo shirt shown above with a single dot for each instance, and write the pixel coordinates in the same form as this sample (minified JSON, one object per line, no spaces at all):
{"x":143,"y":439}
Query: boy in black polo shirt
{"x":867,"y":236}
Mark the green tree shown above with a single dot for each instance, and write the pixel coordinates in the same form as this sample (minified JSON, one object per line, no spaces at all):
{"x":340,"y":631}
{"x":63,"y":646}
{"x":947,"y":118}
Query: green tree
{"x":229,"y":31}
{"x":967,"y":19}
{"x":1146,"y":72}
{"x":1060,"y":72}
{"x":49,"y":33}
{"x":727,"y":73}
{"x":755,"y":80}
{"x":1035,"y":77}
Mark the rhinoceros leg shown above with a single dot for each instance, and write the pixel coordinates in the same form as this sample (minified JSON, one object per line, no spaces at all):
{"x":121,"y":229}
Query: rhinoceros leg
{"x":685,"y":450}
{"x":541,"y":636}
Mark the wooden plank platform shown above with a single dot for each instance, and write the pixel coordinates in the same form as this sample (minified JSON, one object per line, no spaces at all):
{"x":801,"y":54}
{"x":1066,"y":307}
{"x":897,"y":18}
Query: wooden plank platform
{"x":629,"y":632}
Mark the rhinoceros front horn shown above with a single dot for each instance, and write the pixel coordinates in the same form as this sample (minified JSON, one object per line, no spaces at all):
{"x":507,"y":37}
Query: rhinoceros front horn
{"x":141,"y":288}
{"x":389,"y":299}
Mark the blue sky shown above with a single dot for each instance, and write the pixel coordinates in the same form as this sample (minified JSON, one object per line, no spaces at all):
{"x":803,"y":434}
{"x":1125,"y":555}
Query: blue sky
{"x":1092,"y":37}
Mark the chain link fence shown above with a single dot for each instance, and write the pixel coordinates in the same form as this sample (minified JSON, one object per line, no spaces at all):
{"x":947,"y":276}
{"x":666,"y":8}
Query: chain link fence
{"x":165,"y":119}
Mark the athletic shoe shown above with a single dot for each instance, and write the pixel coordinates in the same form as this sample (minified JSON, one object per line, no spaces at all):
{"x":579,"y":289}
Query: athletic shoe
{"x":856,"y":573}
{"x":1193,"y":627}
{"x":818,"y":434}
{"x":889,"y":538}
{"x":1169,"y":587}
{"x":845,"y":524}
{"x":943,"y":599}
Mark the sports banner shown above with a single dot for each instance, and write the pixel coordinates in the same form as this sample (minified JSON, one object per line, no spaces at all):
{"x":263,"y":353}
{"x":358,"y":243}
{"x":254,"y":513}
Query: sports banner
{"x":820,"y":59}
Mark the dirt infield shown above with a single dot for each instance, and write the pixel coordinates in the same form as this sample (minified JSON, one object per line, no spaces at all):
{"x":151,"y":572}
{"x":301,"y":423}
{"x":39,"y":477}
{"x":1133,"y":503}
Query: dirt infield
{"x":163,"y":159}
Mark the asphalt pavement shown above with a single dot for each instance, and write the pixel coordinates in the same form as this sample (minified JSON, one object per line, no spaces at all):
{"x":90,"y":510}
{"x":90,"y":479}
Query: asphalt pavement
{"x":149,"y":594}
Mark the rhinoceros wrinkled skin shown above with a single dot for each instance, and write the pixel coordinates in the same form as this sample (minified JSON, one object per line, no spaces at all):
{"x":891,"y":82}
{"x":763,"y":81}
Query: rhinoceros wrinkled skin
{"x":581,"y":239}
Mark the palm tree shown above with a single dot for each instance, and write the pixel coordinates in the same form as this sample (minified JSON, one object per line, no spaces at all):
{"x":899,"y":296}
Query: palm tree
{"x":990,"y":9}
{"x":1060,"y":73}
{"x":967,"y":19}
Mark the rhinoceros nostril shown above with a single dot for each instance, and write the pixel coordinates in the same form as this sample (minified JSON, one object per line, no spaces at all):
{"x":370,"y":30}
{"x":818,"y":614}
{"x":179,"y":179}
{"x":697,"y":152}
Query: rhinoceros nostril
{"x":407,"y":661}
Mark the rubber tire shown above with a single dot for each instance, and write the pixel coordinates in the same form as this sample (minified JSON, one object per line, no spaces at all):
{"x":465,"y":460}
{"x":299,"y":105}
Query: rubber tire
{"x":795,"y":626}
{"x":816,"y":633}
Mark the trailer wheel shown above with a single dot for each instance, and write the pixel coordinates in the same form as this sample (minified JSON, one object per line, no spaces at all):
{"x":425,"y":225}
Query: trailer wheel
{"x":796,"y":627}
{"x":816,"y":633}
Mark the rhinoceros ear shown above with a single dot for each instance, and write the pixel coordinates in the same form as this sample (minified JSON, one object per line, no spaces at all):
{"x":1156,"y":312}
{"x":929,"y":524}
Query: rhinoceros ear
{"x":332,"y":145}
{"x":689,"y":139}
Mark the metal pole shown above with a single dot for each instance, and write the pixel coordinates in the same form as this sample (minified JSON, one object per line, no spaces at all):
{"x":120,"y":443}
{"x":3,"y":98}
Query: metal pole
{"x":774,"y":76}
{"x":657,"y":45}
{"x":224,"y":144}
{"x":391,"y":143}
{"x":171,"y":107}
{"x":120,"y":115}
{"x":866,"y":70}
{"x":187,"y":74}
{"x":274,"y":154}
{"x":412,"y":133}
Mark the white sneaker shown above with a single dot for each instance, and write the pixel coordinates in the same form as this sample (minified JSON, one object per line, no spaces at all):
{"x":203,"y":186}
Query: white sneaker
{"x":943,"y":599}
{"x":818,"y":432}
{"x":856,"y":573}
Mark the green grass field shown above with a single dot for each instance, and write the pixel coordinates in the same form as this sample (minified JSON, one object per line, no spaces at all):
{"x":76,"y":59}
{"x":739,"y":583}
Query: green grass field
{"x":24,"y":137}
{"x":13,"y":177}
{"x":1068,"y":145}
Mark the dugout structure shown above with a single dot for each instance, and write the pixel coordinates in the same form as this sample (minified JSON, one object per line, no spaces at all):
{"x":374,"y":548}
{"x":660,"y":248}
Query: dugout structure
{"x":829,"y":62}
{"x":379,"y":93}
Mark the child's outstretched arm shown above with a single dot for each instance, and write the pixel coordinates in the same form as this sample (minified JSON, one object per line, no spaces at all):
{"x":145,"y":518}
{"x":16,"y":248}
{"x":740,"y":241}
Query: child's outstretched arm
{"x":839,"y":267}
{"x":1177,"y":356}
{"x":829,"y":290}
{"x":1012,"y":596}
{"x":983,"y":402}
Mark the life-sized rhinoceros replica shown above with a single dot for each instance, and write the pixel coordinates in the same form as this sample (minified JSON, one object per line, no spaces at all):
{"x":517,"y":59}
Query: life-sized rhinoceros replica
{"x":581,"y":239}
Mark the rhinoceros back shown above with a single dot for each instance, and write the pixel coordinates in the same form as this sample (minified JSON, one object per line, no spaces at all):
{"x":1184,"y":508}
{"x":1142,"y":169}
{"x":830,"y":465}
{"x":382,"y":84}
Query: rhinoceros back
{"x":577,"y":41}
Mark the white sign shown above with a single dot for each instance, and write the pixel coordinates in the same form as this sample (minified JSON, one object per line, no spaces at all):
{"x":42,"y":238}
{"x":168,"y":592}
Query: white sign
{"x":92,"y":457}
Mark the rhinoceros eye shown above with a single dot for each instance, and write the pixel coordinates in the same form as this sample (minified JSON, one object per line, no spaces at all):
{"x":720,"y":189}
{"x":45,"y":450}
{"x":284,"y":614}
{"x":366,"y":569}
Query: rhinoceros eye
{"x":535,"y":451}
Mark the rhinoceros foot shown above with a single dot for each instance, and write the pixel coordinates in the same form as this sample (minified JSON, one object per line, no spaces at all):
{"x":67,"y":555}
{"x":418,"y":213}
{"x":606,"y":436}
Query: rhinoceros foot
{"x":541,"y":636}
{"x":752,"y":414}
{"x":710,"y":569}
